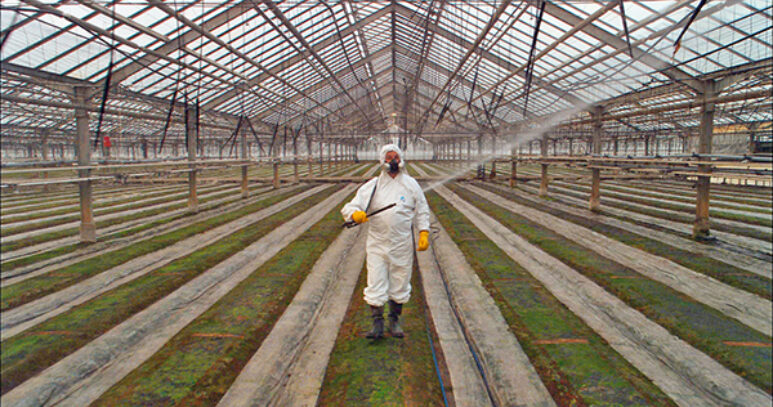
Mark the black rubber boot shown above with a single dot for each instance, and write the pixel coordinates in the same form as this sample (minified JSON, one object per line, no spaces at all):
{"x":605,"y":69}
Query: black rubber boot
{"x":395,"y":310}
{"x":377,"y":313}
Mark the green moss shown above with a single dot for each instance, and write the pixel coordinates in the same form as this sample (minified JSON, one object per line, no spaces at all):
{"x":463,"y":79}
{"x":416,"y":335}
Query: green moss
{"x":411,"y":170}
{"x":28,"y":353}
{"x":37,"y":287}
{"x":34,"y":240}
{"x":660,"y":202}
{"x":388,"y":372}
{"x":9,"y":231}
{"x":362,"y":171}
{"x":26,"y":261}
{"x":713,"y":194}
{"x":724,"y":272}
{"x":429,"y":170}
{"x":685,"y":198}
{"x":194,"y":369}
{"x":39,"y":211}
{"x":685,"y":219}
{"x":589,"y":373}
{"x":697,"y":324}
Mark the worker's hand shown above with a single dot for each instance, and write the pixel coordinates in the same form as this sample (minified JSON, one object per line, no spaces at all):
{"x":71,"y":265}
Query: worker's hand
{"x":359,"y":217}
{"x":423,"y":241}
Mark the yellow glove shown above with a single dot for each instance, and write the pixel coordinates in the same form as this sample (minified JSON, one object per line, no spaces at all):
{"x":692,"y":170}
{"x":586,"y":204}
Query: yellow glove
{"x":423,"y":240}
{"x":359,"y":217}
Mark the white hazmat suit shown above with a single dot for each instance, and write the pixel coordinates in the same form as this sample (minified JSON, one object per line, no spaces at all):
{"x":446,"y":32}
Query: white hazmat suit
{"x":390,"y":241}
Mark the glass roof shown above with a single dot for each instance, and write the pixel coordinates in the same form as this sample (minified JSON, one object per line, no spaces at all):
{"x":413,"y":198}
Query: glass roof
{"x":356,"y":63}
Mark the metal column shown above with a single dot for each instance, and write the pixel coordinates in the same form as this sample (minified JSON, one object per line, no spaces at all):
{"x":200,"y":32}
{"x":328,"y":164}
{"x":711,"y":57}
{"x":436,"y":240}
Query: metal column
{"x":595,"y":194}
{"x":88,"y":229}
{"x":513,"y":167}
{"x":543,"y":187}
{"x":44,"y":133}
{"x":190,"y":125}
{"x":275,"y":165}
{"x":701,"y":227}
{"x":245,"y":181}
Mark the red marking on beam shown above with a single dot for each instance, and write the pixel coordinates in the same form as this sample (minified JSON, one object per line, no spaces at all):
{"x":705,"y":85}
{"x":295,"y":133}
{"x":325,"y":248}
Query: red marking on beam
{"x":749,"y":344}
{"x":559,"y":341}
{"x":54,"y":333}
{"x":217,"y":335}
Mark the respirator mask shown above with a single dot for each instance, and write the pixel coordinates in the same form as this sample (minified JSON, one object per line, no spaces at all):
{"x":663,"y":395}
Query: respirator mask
{"x":392,"y":166}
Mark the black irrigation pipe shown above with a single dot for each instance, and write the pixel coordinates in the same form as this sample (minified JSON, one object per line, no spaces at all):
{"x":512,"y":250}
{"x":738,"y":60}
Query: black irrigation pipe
{"x":9,"y":30}
{"x":109,"y":76}
{"x":434,"y":355}
{"x":255,"y":134}
{"x":185,"y":121}
{"x":168,"y":118}
{"x":530,"y":62}
{"x":105,"y":93}
{"x":678,"y":42}
{"x":625,"y":28}
{"x":199,"y":147}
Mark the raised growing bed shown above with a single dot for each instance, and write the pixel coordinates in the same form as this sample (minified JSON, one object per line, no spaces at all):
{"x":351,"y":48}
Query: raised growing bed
{"x":44,"y":251}
{"x":198,"y":365}
{"x":576,"y":365}
{"x":37,"y":287}
{"x":705,"y":328}
{"x":61,"y":231}
{"x":712,"y":267}
{"x":31,"y":351}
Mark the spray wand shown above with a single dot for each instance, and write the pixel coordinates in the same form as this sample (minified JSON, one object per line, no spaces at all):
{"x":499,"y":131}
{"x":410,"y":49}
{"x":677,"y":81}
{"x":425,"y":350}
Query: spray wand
{"x":351,"y":223}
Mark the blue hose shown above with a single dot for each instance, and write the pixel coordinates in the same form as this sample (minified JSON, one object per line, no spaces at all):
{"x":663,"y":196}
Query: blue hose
{"x":429,"y":335}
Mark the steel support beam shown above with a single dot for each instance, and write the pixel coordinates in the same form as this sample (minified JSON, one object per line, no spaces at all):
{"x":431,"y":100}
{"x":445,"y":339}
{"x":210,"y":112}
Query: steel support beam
{"x":331,"y":75}
{"x":618,"y":43}
{"x":193,"y":199}
{"x":88,"y":229}
{"x":471,"y":49}
{"x":245,"y":180}
{"x":482,"y":52}
{"x":296,"y":59}
{"x":197,"y":28}
{"x":701,"y":227}
{"x":595,"y":193}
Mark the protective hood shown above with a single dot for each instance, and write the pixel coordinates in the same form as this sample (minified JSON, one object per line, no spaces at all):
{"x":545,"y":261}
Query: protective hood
{"x":391,"y":147}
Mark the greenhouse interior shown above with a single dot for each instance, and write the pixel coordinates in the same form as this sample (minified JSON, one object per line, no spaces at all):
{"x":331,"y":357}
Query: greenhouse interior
{"x":386,"y":202}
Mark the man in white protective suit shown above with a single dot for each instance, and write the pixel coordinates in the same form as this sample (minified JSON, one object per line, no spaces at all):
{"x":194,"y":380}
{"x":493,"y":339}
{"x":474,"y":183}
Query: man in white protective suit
{"x":390,"y":238}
